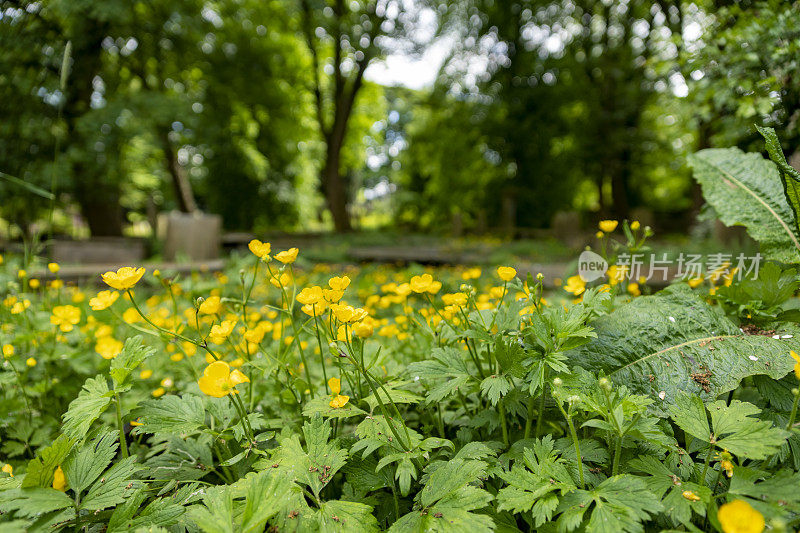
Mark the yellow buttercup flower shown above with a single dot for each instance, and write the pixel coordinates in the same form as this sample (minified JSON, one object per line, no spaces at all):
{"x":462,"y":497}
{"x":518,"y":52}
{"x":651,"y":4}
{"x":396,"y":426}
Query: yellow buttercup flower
{"x":31,"y":362}
{"x":53,"y":267}
{"x":260,"y":249}
{"x":607,"y":226}
{"x":211,"y":305}
{"x":599,"y":234}
{"x":362,"y":329}
{"x":339,"y":400}
{"x":339,"y":283}
{"x":797,"y":363}
{"x":691,"y":496}
{"x":634,"y":289}
{"x":34,"y":283}
{"x":283,"y":280}
{"x":220,"y":332}
{"x":145,"y":374}
{"x":310,"y":295}
{"x":59,"y":480}
{"x":635,"y":225}
{"x":420,"y":284}
{"x":575,"y":285}
{"x":506,"y":273}
{"x":287,"y":256}
{"x":103,"y":300}
{"x":218,"y":380}
{"x":8,"y":469}
{"x":8,"y":350}
{"x":108,"y":347}
{"x":124,"y":278}
{"x":332,"y":296}
{"x":347,"y":313}
{"x":65,"y":317}
{"x":739,"y":516}
{"x":159,"y":392}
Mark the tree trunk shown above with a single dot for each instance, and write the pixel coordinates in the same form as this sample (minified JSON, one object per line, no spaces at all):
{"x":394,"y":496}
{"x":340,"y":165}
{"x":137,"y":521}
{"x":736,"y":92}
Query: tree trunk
{"x":335,"y":189}
{"x":99,"y":200}
{"x":180,"y":181}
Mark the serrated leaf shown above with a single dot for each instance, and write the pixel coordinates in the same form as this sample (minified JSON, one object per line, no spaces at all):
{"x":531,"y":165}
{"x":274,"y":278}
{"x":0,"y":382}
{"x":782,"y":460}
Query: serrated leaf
{"x":316,"y":466}
{"x":344,"y":516}
{"x":620,"y":503}
{"x":746,"y":190}
{"x":790,"y":178}
{"x":133,"y":354}
{"x":445,"y":374}
{"x":83,"y":467}
{"x":30,"y":502}
{"x":113,"y":487}
{"x":322,"y":407}
{"x":41,"y":468}
{"x":396,"y":394}
{"x":674,"y":341}
{"x":495,"y":387}
{"x":732,"y":426}
{"x":93,"y":399}
{"x":158,"y":513}
{"x":170,"y":414}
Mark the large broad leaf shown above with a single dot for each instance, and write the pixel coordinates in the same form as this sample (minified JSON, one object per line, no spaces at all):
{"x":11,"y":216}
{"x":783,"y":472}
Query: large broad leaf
{"x":674,"y":341}
{"x":789,"y":176}
{"x":746,"y":190}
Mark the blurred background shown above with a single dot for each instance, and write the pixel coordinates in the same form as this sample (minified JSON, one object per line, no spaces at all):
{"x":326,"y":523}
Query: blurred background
{"x":173,"y":128}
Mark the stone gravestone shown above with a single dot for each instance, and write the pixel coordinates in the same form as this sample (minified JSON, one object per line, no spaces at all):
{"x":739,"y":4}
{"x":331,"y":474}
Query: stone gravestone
{"x":567,"y":228}
{"x":194,"y":236}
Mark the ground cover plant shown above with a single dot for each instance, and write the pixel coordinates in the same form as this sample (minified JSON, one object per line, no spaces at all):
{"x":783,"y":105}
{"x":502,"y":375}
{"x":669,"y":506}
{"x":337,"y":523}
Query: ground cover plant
{"x":281,"y":397}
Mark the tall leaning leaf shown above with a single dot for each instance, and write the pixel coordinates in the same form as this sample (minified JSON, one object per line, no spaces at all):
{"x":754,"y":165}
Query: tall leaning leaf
{"x":789,"y":176}
{"x":746,"y":190}
{"x":674,"y":341}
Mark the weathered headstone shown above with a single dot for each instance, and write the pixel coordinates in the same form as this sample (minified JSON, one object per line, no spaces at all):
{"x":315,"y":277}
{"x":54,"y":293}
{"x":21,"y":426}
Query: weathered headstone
{"x":98,"y":250}
{"x":195,"y":236}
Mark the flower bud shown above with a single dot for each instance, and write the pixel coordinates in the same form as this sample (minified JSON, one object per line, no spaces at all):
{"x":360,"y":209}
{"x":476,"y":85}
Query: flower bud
{"x":539,"y":276}
{"x":795,"y":391}
{"x":604,"y":384}
{"x":557,"y":382}
{"x":199,"y":301}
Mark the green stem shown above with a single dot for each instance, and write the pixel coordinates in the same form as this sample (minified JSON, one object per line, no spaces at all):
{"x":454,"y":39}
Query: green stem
{"x":540,"y":420}
{"x":575,"y":442}
{"x":321,"y":351}
{"x":794,"y":413}
{"x":617,"y":453}
{"x":705,"y":465}
{"x":123,"y":445}
{"x":503,"y":423}
{"x":529,"y":421}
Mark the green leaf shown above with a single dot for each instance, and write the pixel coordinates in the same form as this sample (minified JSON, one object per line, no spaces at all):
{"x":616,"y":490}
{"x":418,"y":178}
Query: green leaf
{"x":510,"y":356}
{"x":449,"y":478}
{"x":674,"y":341}
{"x":170,"y":414}
{"x":30,"y":502}
{"x":620,"y":503}
{"x":396,"y":394}
{"x":346,"y":517}
{"x":495,"y":387}
{"x":93,"y":399}
{"x":773,"y":494}
{"x":732,"y":427}
{"x":746,"y":190}
{"x":40,"y":469}
{"x":322,"y":407}
{"x":83,"y":467}
{"x":113,"y":487}
{"x":789,"y":176}
{"x":133,"y":354}
{"x":445,"y":374}
{"x":666,"y":484}
{"x":160,"y":512}
{"x":315,"y":467}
